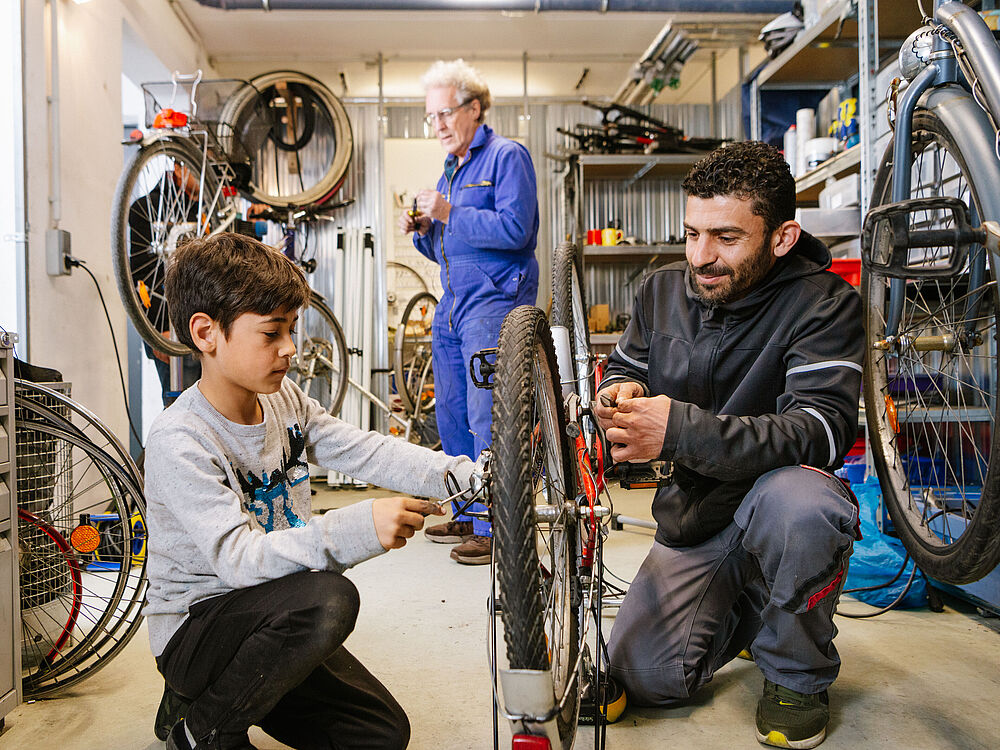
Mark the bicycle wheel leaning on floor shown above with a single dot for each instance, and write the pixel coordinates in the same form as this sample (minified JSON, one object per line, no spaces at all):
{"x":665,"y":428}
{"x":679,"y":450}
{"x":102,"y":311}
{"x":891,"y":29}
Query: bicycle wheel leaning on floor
{"x":81,"y":551}
{"x":930,"y":391}
{"x":536,"y":550}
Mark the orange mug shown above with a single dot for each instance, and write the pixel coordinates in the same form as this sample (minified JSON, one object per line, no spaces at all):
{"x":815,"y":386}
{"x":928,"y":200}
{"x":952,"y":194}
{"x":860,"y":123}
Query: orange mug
{"x":611,"y":236}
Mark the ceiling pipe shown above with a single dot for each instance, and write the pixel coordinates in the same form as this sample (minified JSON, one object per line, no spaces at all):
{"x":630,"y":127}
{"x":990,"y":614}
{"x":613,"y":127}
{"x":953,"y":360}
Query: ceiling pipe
{"x":529,"y":6}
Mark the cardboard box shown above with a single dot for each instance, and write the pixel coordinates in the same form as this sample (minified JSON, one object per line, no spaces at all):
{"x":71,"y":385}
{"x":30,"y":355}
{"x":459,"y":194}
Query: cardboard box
{"x":599,"y":318}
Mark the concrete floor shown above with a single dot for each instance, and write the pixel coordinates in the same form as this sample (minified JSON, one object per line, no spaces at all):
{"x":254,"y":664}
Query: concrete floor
{"x":910,"y":679}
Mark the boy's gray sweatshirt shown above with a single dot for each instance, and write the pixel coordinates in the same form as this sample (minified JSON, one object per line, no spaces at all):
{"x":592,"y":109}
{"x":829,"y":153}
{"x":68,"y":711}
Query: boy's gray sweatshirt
{"x":228,"y":505}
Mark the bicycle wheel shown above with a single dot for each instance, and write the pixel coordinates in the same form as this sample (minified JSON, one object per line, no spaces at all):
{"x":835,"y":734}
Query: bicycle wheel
{"x":931,"y":406}
{"x":81,"y":552}
{"x":531,"y":465}
{"x":295,"y":134}
{"x":319,"y":366}
{"x":569,"y":310}
{"x":156,"y":208}
{"x":413,"y":366}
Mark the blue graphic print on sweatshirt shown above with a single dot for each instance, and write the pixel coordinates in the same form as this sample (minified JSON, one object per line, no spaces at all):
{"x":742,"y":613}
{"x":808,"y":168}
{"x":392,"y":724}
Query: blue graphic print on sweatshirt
{"x":260,"y":494}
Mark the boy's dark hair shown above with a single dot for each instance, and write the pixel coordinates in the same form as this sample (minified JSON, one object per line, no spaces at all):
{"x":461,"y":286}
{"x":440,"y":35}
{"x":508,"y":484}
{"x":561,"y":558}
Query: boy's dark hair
{"x":750,"y":170}
{"x":226,"y":275}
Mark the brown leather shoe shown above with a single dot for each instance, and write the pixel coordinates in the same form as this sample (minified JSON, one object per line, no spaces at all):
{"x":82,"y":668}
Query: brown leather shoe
{"x":474,"y":551}
{"x":452,"y":532}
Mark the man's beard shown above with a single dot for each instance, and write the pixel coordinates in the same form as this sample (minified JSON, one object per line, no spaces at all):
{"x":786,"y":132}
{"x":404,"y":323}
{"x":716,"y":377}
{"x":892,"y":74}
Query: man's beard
{"x":740,"y":280}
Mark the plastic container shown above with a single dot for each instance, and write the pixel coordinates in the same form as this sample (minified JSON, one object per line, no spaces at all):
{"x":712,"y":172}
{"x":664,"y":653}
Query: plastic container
{"x":818,"y":150}
{"x":849,"y":269}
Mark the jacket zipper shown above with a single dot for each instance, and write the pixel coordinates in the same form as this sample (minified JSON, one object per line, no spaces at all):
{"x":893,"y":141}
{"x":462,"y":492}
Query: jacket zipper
{"x":447,"y":267}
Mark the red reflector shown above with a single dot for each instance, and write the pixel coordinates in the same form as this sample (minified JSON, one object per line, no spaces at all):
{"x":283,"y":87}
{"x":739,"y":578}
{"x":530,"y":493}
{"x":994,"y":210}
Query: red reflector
{"x":530,"y":742}
{"x":229,"y":191}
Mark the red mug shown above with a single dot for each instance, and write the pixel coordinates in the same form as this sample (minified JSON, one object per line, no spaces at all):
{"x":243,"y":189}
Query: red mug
{"x":593,"y":236}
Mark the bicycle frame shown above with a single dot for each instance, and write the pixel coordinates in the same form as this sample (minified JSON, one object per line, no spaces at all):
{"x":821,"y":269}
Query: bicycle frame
{"x":942,"y":71}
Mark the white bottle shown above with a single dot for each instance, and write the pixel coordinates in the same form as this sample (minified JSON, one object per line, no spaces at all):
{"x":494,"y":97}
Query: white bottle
{"x":791,"y":149}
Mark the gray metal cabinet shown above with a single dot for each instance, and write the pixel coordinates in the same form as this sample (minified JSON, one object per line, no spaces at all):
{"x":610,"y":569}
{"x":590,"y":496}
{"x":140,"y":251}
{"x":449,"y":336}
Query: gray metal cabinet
{"x":10,"y":603}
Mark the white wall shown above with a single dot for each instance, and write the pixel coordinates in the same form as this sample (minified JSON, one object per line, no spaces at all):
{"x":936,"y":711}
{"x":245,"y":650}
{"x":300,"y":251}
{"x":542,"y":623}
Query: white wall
{"x":66,"y":325}
{"x":10,"y":177}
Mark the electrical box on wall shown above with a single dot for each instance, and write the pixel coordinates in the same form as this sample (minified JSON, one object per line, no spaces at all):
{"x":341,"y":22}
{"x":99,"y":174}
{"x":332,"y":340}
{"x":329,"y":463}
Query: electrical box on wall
{"x":56,"y":252}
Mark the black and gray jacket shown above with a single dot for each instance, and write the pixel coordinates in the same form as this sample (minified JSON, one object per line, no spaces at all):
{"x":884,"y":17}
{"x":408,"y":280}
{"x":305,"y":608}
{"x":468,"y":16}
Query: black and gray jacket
{"x":767,"y":381}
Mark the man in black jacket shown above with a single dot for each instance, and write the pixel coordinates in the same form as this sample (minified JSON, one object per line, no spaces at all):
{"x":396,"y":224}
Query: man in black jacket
{"x":742,"y":368}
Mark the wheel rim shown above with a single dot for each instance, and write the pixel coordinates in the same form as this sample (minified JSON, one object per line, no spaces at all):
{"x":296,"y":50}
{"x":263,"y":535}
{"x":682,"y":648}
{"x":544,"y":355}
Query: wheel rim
{"x":157,"y":209}
{"x":933,"y":410}
{"x":319,"y":365}
{"x":78,"y":609}
{"x":554,"y":540}
{"x":306,"y":163}
{"x":414,"y":371}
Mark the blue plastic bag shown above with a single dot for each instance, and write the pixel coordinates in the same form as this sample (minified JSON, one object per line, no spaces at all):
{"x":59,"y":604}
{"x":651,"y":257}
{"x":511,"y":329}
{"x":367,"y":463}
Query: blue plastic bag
{"x":878,"y":557}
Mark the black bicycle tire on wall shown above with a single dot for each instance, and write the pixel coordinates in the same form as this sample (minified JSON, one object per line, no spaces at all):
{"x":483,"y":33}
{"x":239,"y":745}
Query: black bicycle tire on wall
{"x":976,"y":550}
{"x":176,"y":149}
{"x":242,"y":105}
{"x":525,"y":367}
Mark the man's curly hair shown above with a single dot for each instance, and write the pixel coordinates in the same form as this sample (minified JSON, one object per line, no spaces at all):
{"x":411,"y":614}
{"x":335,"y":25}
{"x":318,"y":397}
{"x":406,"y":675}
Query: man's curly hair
{"x":750,"y":170}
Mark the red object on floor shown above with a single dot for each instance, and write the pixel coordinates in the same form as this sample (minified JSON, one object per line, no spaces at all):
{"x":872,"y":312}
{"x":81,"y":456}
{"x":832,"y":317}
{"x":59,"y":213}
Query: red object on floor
{"x":530,"y":742}
{"x":849,"y":269}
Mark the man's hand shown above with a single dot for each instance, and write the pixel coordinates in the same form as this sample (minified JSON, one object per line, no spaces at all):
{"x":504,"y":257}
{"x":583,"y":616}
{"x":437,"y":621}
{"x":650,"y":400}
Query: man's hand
{"x":399,"y":518}
{"x":420,"y":224}
{"x":613,"y":393}
{"x":431,"y":203}
{"x":640,"y":424}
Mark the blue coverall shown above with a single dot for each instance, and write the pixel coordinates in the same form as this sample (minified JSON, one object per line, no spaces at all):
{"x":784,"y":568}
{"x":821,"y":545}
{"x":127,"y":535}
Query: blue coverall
{"x":487,"y":256}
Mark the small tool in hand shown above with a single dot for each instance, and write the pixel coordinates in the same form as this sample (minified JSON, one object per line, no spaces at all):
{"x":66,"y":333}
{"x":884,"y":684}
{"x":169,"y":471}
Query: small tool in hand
{"x":606,"y":400}
{"x":414,"y":212}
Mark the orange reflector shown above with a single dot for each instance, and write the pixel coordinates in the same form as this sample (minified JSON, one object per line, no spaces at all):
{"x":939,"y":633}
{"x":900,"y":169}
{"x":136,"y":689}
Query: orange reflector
{"x":135,"y":135}
{"x":85,"y":538}
{"x":890,"y":412}
{"x":144,"y":297}
{"x":530,"y":742}
{"x":169,"y":118}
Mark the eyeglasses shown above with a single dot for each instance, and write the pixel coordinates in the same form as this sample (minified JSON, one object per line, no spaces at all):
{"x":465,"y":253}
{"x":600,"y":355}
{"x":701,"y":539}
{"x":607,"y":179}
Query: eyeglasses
{"x":445,"y":114}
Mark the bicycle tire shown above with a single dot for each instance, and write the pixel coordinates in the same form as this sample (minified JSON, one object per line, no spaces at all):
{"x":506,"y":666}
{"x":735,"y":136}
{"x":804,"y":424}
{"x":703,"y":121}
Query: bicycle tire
{"x":927,"y":411}
{"x":569,"y":309}
{"x":540,"y":611}
{"x":413,"y":366}
{"x":171,"y":216}
{"x":104,"y":604}
{"x":246,"y":127}
{"x":319,"y":366}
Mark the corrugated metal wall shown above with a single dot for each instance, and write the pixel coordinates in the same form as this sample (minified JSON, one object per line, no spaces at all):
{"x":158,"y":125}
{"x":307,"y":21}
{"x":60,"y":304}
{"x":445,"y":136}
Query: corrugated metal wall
{"x":651,"y":210}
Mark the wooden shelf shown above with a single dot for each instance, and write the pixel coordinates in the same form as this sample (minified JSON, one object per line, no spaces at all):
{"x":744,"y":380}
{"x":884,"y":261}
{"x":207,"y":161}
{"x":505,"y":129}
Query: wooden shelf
{"x":819,"y":56}
{"x":634,"y":167}
{"x":809,"y":185}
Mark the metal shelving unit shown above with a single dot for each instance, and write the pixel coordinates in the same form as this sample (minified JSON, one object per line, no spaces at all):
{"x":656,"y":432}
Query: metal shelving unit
{"x":834,"y":51}
{"x":598,"y":253}
{"x":10,"y":601}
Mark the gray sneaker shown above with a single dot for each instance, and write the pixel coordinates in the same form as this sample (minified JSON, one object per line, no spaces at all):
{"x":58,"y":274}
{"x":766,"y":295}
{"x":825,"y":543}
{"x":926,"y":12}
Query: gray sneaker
{"x":452,"y":532}
{"x":786,"y":718}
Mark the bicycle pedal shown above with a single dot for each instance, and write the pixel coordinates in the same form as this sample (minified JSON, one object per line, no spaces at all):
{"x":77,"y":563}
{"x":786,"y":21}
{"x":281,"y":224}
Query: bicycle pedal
{"x":888,"y":238}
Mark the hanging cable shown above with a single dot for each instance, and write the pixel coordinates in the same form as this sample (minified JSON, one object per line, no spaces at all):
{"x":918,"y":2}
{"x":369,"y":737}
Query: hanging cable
{"x":76,"y":262}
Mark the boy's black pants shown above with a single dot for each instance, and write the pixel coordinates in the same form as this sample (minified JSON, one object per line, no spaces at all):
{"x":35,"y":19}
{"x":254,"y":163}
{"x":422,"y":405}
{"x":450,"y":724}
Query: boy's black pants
{"x":272,"y":655}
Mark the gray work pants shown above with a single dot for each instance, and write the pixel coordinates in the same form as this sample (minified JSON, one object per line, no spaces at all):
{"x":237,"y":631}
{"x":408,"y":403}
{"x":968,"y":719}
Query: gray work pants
{"x":769,"y":581}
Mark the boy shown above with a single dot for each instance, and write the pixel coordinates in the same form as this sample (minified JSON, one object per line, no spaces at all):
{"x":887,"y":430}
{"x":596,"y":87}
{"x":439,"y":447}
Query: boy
{"x":247,"y":605}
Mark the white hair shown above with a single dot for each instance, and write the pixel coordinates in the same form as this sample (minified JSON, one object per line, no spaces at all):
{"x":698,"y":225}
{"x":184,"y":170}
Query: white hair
{"x":466,"y":80}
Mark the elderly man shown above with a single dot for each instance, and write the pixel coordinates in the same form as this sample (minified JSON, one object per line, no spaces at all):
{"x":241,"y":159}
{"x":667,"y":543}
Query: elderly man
{"x":742,"y":367}
{"x":480,"y":225}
